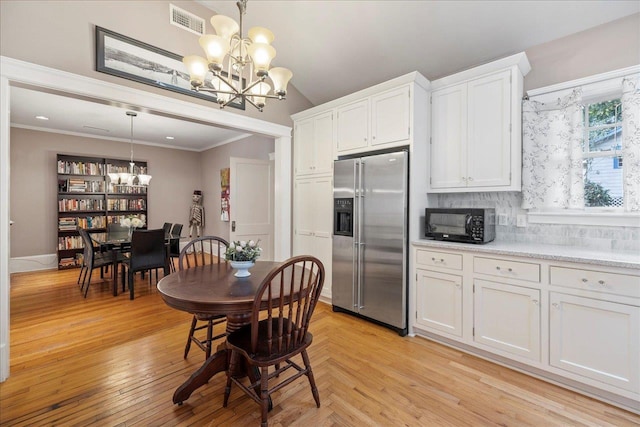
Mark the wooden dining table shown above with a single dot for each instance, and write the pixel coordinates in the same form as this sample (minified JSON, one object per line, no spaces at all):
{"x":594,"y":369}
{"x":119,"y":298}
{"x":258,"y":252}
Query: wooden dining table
{"x":213,"y":289}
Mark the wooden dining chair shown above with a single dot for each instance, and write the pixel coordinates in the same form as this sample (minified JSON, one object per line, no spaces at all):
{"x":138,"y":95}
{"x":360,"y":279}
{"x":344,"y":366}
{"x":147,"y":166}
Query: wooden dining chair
{"x":201,"y":251}
{"x":148,"y":252}
{"x":285,"y":301}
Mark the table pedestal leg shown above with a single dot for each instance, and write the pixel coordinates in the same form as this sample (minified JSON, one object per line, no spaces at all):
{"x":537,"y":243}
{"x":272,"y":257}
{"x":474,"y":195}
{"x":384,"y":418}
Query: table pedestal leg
{"x":217,"y":362}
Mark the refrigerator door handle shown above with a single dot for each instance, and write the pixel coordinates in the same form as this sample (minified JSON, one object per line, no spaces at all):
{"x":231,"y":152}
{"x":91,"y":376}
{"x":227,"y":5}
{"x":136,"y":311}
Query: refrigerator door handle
{"x":360,"y":186}
{"x":356,"y":238}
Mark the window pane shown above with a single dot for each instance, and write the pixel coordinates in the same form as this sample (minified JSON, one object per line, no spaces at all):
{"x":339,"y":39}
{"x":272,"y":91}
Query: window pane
{"x":605,"y":139}
{"x":602,"y":182}
{"x":607,"y":112}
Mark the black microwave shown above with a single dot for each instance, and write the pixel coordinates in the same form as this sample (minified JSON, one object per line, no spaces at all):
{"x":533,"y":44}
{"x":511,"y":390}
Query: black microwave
{"x":470,"y":225}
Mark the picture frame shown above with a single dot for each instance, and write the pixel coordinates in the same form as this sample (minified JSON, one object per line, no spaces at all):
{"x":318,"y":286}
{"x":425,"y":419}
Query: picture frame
{"x":131,"y":59}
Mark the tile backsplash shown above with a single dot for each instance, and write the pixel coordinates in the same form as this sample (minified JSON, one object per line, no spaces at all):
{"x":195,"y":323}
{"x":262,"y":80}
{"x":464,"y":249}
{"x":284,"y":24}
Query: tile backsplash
{"x":586,"y":236}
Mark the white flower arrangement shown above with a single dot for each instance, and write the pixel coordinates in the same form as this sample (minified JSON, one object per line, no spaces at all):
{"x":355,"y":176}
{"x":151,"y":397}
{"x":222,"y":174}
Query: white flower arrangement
{"x":133,"y":221}
{"x":241,"y":250}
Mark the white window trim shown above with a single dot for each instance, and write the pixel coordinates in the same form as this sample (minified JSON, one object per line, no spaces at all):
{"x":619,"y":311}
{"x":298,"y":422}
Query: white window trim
{"x":575,"y":217}
{"x":598,"y":86}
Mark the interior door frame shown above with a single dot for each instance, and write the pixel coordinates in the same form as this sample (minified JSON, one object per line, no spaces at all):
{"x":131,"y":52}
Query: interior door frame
{"x":16,"y":72}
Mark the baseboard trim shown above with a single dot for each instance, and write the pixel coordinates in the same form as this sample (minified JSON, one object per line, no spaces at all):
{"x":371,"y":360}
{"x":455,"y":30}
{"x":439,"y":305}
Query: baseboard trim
{"x":33,"y":263}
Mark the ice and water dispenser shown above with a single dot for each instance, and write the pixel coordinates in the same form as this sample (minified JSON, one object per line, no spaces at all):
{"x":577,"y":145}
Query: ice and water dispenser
{"x":343,"y":217}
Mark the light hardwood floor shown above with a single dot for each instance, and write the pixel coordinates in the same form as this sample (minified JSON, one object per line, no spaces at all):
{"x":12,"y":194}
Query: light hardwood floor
{"x":110,"y":361}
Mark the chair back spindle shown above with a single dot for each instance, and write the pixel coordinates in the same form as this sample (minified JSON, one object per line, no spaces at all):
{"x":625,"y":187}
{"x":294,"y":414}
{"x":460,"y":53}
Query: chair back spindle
{"x":201,"y":251}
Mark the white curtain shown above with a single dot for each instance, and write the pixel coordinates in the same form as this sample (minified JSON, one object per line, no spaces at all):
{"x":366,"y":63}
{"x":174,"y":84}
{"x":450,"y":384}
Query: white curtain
{"x":552,"y":174}
{"x":631,"y":145}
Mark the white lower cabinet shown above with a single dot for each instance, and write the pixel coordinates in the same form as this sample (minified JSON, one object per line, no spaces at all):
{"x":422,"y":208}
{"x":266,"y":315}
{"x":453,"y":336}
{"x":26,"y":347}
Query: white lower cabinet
{"x":507,"y":318}
{"x":596,"y":339}
{"x":573,"y":323}
{"x":313,"y":222}
{"x":439,"y":302}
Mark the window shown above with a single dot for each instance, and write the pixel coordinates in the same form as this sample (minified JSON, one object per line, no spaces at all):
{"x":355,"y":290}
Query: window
{"x":602,"y":158}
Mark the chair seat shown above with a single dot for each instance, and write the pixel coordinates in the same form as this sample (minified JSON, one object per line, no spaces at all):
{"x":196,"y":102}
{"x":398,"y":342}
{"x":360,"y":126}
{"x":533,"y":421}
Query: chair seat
{"x":240,"y":340}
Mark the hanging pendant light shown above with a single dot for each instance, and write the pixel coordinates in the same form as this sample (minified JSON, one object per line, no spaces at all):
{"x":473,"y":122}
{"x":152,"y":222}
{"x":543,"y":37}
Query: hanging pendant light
{"x":129,"y":178}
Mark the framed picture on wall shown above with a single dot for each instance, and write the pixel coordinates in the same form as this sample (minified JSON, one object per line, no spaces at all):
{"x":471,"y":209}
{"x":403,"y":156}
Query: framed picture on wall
{"x":131,"y":59}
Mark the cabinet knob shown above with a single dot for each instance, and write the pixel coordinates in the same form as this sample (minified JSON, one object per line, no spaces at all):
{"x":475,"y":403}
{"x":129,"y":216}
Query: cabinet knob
{"x":601,"y":282}
{"x":497,"y":267}
{"x":470,"y":179}
{"x":464,"y":178}
{"x":510,"y":270}
{"x":535,"y":301}
{"x":555,"y":305}
{"x":584,"y":280}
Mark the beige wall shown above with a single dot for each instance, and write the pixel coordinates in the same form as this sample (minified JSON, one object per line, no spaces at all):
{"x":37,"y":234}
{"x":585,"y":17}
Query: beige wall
{"x":600,"y":49}
{"x":213,"y":160}
{"x":34,"y":191}
{"x":60,"y":35}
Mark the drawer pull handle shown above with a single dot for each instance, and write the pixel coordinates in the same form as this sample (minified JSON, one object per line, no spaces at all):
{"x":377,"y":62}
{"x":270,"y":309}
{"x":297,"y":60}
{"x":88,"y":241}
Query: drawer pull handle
{"x":584,"y":280}
{"x":441,"y":260}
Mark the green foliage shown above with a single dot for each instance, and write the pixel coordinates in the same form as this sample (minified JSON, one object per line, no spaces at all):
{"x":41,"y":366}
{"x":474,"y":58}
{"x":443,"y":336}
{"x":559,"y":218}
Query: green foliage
{"x":596,"y":195}
{"x":243,"y":251}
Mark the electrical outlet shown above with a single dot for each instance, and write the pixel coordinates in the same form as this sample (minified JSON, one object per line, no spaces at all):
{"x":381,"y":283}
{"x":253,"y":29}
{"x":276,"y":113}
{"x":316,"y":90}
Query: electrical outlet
{"x":503,"y":219}
{"x":521,"y":220}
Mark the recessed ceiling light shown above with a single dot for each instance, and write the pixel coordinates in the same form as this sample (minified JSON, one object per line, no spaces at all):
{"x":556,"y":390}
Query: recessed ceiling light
{"x":42,"y":118}
{"x":169,"y":137}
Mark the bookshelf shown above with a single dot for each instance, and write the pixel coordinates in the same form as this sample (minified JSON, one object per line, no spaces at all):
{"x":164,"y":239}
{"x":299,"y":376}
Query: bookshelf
{"x":87,"y":199}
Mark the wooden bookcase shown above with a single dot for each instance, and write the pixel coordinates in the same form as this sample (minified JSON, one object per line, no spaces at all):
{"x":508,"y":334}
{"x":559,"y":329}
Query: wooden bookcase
{"x":87,"y":198}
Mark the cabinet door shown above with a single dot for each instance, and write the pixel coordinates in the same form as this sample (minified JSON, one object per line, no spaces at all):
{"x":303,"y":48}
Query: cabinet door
{"x":304,"y":146}
{"x":439,"y":302}
{"x":353,"y":126}
{"x":596,"y":339}
{"x":323,"y":228}
{"x":449,"y":137}
{"x":303,"y":210}
{"x":507,"y":318}
{"x":390,"y":117}
{"x":323,"y":143}
{"x":488,"y":131}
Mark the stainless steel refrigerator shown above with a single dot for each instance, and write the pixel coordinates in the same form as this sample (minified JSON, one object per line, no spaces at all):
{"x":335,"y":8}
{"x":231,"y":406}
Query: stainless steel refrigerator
{"x":370,"y":238}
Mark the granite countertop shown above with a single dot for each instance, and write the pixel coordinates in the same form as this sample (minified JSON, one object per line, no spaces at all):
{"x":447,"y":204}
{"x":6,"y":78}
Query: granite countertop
{"x":549,"y":252}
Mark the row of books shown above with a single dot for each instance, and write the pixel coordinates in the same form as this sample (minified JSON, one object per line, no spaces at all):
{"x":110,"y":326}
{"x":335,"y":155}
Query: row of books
{"x":68,"y":262}
{"x":69,"y":205}
{"x":80,"y":168}
{"x":117,"y":219}
{"x":137,"y":169}
{"x":72,"y":223}
{"x":80,"y":186}
{"x":126,"y":204}
{"x":75,"y":242}
{"x":118,"y":189}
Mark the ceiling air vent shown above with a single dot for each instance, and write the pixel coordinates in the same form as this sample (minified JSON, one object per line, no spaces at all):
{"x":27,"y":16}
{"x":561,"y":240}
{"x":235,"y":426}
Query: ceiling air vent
{"x":186,"y":20}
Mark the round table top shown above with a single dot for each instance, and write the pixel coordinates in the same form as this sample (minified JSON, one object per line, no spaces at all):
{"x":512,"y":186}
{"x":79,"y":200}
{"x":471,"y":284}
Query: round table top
{"x":213,"y":289}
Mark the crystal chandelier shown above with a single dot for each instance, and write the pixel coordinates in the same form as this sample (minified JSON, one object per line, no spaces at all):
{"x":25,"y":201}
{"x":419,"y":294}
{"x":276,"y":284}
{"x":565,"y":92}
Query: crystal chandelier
{"x":128,"y":179}
{"x":237,"y":66}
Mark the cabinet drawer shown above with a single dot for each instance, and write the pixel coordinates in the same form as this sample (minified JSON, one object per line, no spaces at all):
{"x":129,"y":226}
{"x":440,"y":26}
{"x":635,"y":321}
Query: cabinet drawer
{"x":591,"y":280}
{"x":439,"y":259}
{"x":507,"y":269}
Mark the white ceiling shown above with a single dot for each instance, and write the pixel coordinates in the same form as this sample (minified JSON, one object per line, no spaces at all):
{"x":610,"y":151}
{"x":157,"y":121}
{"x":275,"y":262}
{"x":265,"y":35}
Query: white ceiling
{"x":338,"y":47}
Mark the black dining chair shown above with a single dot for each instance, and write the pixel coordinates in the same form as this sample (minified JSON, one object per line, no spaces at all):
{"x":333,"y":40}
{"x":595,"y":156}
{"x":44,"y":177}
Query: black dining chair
{"x":167,"y":228}
{"x":285,"y":302}
{"x":200,"y":251}
{"x":92,"y":259}
{"x":174,"y":244}
{"x":148,"y":252}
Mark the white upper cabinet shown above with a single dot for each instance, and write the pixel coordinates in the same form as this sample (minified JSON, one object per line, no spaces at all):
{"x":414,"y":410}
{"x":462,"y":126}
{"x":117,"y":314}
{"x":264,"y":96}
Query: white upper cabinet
{"x":353,"y":126}
{"x":390,"y":117}
{"x":380,"y":121}
{"x":313,"y":142}
{"x":475,"y":128}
